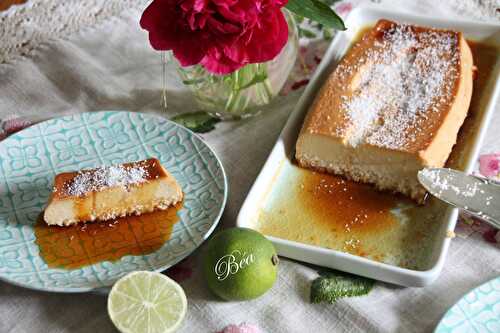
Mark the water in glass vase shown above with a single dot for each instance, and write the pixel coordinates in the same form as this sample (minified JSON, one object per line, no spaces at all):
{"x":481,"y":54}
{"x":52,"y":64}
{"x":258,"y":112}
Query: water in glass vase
{"x":244,"y":92}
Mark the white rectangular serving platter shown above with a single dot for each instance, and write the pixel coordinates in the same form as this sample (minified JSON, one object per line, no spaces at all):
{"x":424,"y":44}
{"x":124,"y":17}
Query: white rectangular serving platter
{"x":285,"y":147}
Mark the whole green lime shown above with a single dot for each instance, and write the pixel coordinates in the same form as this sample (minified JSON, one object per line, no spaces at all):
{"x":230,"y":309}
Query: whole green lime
{"x":240,"y":264}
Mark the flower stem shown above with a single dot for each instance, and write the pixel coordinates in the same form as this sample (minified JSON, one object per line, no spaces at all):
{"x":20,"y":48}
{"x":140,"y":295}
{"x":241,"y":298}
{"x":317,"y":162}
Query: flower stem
{"x":267,"y":83}
{"x":164,"y":79}
{"x":234,"y":94}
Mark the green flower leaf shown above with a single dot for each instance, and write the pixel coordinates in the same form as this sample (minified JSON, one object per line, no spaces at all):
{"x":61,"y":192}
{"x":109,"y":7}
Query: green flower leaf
{"x":316,"y":11}
{"x":199,"y":122}
{"x":332,"y":285}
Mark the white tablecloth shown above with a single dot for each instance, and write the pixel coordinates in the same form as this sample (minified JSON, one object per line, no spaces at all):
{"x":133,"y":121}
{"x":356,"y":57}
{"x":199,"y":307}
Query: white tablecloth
{"x":101,"y":60}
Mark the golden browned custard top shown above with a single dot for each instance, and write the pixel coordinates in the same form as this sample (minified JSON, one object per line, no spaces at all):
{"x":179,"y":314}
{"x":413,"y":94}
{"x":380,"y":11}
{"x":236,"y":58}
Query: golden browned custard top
{"x":393,"y":88}
{"x":80,"y":183}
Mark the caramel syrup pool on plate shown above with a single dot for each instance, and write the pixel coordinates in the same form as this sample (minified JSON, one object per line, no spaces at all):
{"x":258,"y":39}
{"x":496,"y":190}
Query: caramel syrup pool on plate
{"x":331,"y":212}
{"x":86,"y":244}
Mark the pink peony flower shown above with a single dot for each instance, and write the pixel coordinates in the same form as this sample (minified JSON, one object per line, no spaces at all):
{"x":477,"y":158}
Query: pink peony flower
{"x":221,"y":35}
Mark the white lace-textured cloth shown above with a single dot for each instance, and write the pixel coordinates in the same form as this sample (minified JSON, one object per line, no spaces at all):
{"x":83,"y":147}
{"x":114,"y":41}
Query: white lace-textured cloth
{"x":58,"y":57}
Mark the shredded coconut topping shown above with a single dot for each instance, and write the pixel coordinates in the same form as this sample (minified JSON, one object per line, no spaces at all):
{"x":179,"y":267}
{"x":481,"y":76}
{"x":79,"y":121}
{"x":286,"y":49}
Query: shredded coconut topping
{"x":104,"y":177}
{"x":402,"y":79}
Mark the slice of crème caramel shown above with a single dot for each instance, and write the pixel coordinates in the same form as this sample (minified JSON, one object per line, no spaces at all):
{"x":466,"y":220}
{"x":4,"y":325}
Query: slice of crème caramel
{"x":109,"y":192}
{"x":393,"y":106}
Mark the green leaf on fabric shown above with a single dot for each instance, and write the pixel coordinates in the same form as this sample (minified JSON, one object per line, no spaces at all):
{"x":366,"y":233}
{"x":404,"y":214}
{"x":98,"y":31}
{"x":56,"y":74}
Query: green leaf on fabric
{"x":316,"y":11}
{"x":199,"y":122}
{"x":332,"y":285}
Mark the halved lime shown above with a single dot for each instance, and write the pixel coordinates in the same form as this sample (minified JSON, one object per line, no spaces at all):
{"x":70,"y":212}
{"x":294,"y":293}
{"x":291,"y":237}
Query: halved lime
{"x":146,"y":302}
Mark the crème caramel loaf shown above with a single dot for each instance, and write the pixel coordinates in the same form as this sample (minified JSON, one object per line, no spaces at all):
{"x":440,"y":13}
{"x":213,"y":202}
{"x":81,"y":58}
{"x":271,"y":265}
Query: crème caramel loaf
{"x":393,"y":105}
{"x":110,"y":192}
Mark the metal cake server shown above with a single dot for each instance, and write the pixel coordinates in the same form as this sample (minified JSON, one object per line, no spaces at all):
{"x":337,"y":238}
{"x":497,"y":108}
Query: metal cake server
{"x":478,"y":196}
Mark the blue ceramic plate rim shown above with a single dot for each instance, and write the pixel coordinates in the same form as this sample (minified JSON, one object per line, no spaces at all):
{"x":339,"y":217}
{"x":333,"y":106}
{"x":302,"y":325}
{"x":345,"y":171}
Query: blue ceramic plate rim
{"x":105,"y":288}
{"x":442,"y":327}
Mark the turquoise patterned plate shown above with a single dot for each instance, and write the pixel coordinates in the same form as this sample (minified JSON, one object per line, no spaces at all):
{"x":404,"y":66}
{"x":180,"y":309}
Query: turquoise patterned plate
{"x":478,"y":311}
{"x":30,"y":159}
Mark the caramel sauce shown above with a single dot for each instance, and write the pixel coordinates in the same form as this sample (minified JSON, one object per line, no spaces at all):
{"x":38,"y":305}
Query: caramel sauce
{"x":86,"y":244}
{"x":357,"y":207}
{"x":328,"y":211}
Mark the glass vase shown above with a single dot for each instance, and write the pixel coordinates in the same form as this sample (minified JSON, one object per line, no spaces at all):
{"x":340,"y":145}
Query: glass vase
{"x":244,"y":92}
